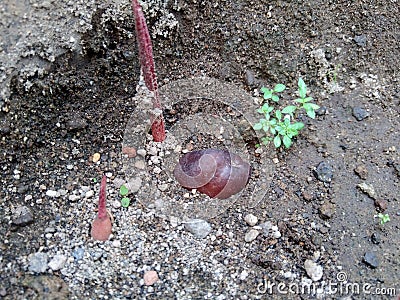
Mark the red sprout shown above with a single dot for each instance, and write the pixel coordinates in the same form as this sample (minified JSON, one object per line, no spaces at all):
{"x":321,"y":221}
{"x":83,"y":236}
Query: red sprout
{"x":147,"y":64}
{"x":101,"y":226}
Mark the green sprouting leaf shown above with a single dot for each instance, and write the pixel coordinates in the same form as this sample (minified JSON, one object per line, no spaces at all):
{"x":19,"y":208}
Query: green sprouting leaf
{"x":287,"y":141}
{"x":277,"y":141}
{"x":311,"y":113}
{"x":123,"y":190}
{"x":275,"y":98}
{"x":289,"y":109}
{"x":273,"y":131}
{"x":297,"y":126}
{"x":267,"y":93}
{"x":299,"y":100}
{"x":278,"y":114}
{"x":95,"y":180}
{"x":279,"y":88}
{"x":257,"y":146}
{"x":265,"y":140}
{"x":257,"y":126}
{"x":302,"y":88}
{"x":307,"y":99}
{"x":125,"y":202}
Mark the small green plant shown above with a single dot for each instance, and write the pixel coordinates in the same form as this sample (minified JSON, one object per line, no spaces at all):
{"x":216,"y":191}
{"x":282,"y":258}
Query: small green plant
{"x":384,"y":218}
{"x":280,"y":126}
{"x":123,"y":191}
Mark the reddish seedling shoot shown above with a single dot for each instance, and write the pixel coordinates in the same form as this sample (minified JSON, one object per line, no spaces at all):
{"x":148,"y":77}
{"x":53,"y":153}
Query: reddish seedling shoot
{"x":149,"y":74}
{"x":101,"y":226}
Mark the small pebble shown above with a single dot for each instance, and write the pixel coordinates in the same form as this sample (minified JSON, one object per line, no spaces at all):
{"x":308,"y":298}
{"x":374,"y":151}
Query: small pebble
{"x":140,"y":165}
{"x":57,"y":262}
{"x":367,"y":188}
{"x":381,"y":205}
{"x":89,"y":194}
{"x":96,"y":157}
{"x":78,"y":253}
{"x":251,"y":235}
{"x":251,"y":219}
{"x":198,"y":227}
{"x":150,"y":277}
{"x":130,"y":151}
{"x":360,"y":113}
{"x":22,"y":216}
{"x":361,"y":171}
{"x":327,"y":210}
{"x":134,"y":184}
{"x":38,"y":262}
{"x":51,"y":193}
{"x":324,"y":172}
{"x":314,"y":271}
{"x":371,"y":260}
{"x":141,"y":152}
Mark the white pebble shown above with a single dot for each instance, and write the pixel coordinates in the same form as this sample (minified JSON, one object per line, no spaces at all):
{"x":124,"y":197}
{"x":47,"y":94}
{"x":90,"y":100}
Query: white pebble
{"x":251,"y":219}
{"x":251,"y":235}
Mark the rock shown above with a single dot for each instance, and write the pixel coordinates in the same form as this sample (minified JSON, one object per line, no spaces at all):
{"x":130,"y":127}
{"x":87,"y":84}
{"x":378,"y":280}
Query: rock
{"x":76,"y":123}
{"x":198,"y":227}
{"x":47,"y":287}
{"x":371,"y":260}
{"x":130,"y":151}
{"x":243,"y":275}
{"x":89,"y":194}
{"x":307,"y":196}
{"x":314,"y":271}
{"x":249,"y":77}
{"x":22,"y":216}
{"x":381,"y":205}
{"x":141,"y":152}
{"x":96,"y":157}
{"x":51,"y":193}
{"x":38,"y":262}
{"x":251,"y":219}
{"x":251,"y":235}
{"x":375,"y":238}
{"x":324,"y":172}
{"x":361,"y":40}
{"x":140,"y":165}
{"x":321,"y":111}
{"x":266,"y":228}
{"x":150,"y":277}
{"x":327,"y":210}
{"x":134,"y":184}
{"x":368,"y":189}
{"x":361,"y":171}
{"x":360,"y":113}
{"x":57,"y":262}
{"x":78,"y":253}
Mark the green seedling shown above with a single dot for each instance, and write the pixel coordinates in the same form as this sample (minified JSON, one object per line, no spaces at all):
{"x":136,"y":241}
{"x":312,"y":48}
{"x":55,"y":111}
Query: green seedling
{"x":123,"y":191}
{"x":271,"y":94}
{"x":280,"y":126}
{"x":384,"y":218}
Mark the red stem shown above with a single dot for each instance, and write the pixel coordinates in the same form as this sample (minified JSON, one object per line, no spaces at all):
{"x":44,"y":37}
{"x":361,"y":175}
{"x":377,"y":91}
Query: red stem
{"x":147,"y":64}
{"x":102,"y":211}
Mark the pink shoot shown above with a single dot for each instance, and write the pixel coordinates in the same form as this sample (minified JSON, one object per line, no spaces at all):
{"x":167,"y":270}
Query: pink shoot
{"x":101,"y":226}
{"x":147,"y":64}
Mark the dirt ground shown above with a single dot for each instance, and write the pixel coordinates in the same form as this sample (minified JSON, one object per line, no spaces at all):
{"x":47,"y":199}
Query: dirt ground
{"x":53,"y":121}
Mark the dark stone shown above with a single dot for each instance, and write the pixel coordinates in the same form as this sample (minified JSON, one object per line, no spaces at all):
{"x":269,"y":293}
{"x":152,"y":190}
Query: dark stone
{"x":375,"y":238}
{"x":360,"y":113}
{"x":250,"y":78}
{"x":22,"y":216}
{"x":321,"y":111}
{"x":76,"y":123}
{"x":371,"y":260}
{"x":361,"y":40}
{"x":324,"y":172}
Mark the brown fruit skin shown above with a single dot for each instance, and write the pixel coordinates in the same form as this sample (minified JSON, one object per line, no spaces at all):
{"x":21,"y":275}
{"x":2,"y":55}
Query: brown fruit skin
{"x":101,"y":229}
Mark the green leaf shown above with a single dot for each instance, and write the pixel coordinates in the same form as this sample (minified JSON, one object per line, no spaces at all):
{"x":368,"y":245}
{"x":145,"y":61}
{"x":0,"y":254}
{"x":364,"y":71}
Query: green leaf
{"x":123,"y":190}
{"x":302,"y":88}
{"x":279,"y":88}
{"x":257,"y":126}
{"x":299,"y":100}
{"x":125,"y":202}
{"x":311,"y":113}
{"x":277,"y":141}
{"x":297,"y":126}
{"x":307,"y":99}
{"x":260,"y":110}
{"x":273,"y":131}
{"x":289,"y":109}
{"x":275,"y":98}
{"x":278,"y":114}
{"x":257,"y":146}
{"x":287,"y":141}
{"x":267,"y":94}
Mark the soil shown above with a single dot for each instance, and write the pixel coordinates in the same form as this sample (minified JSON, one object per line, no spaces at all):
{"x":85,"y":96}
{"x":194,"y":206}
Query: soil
{"x":53,"y":122}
